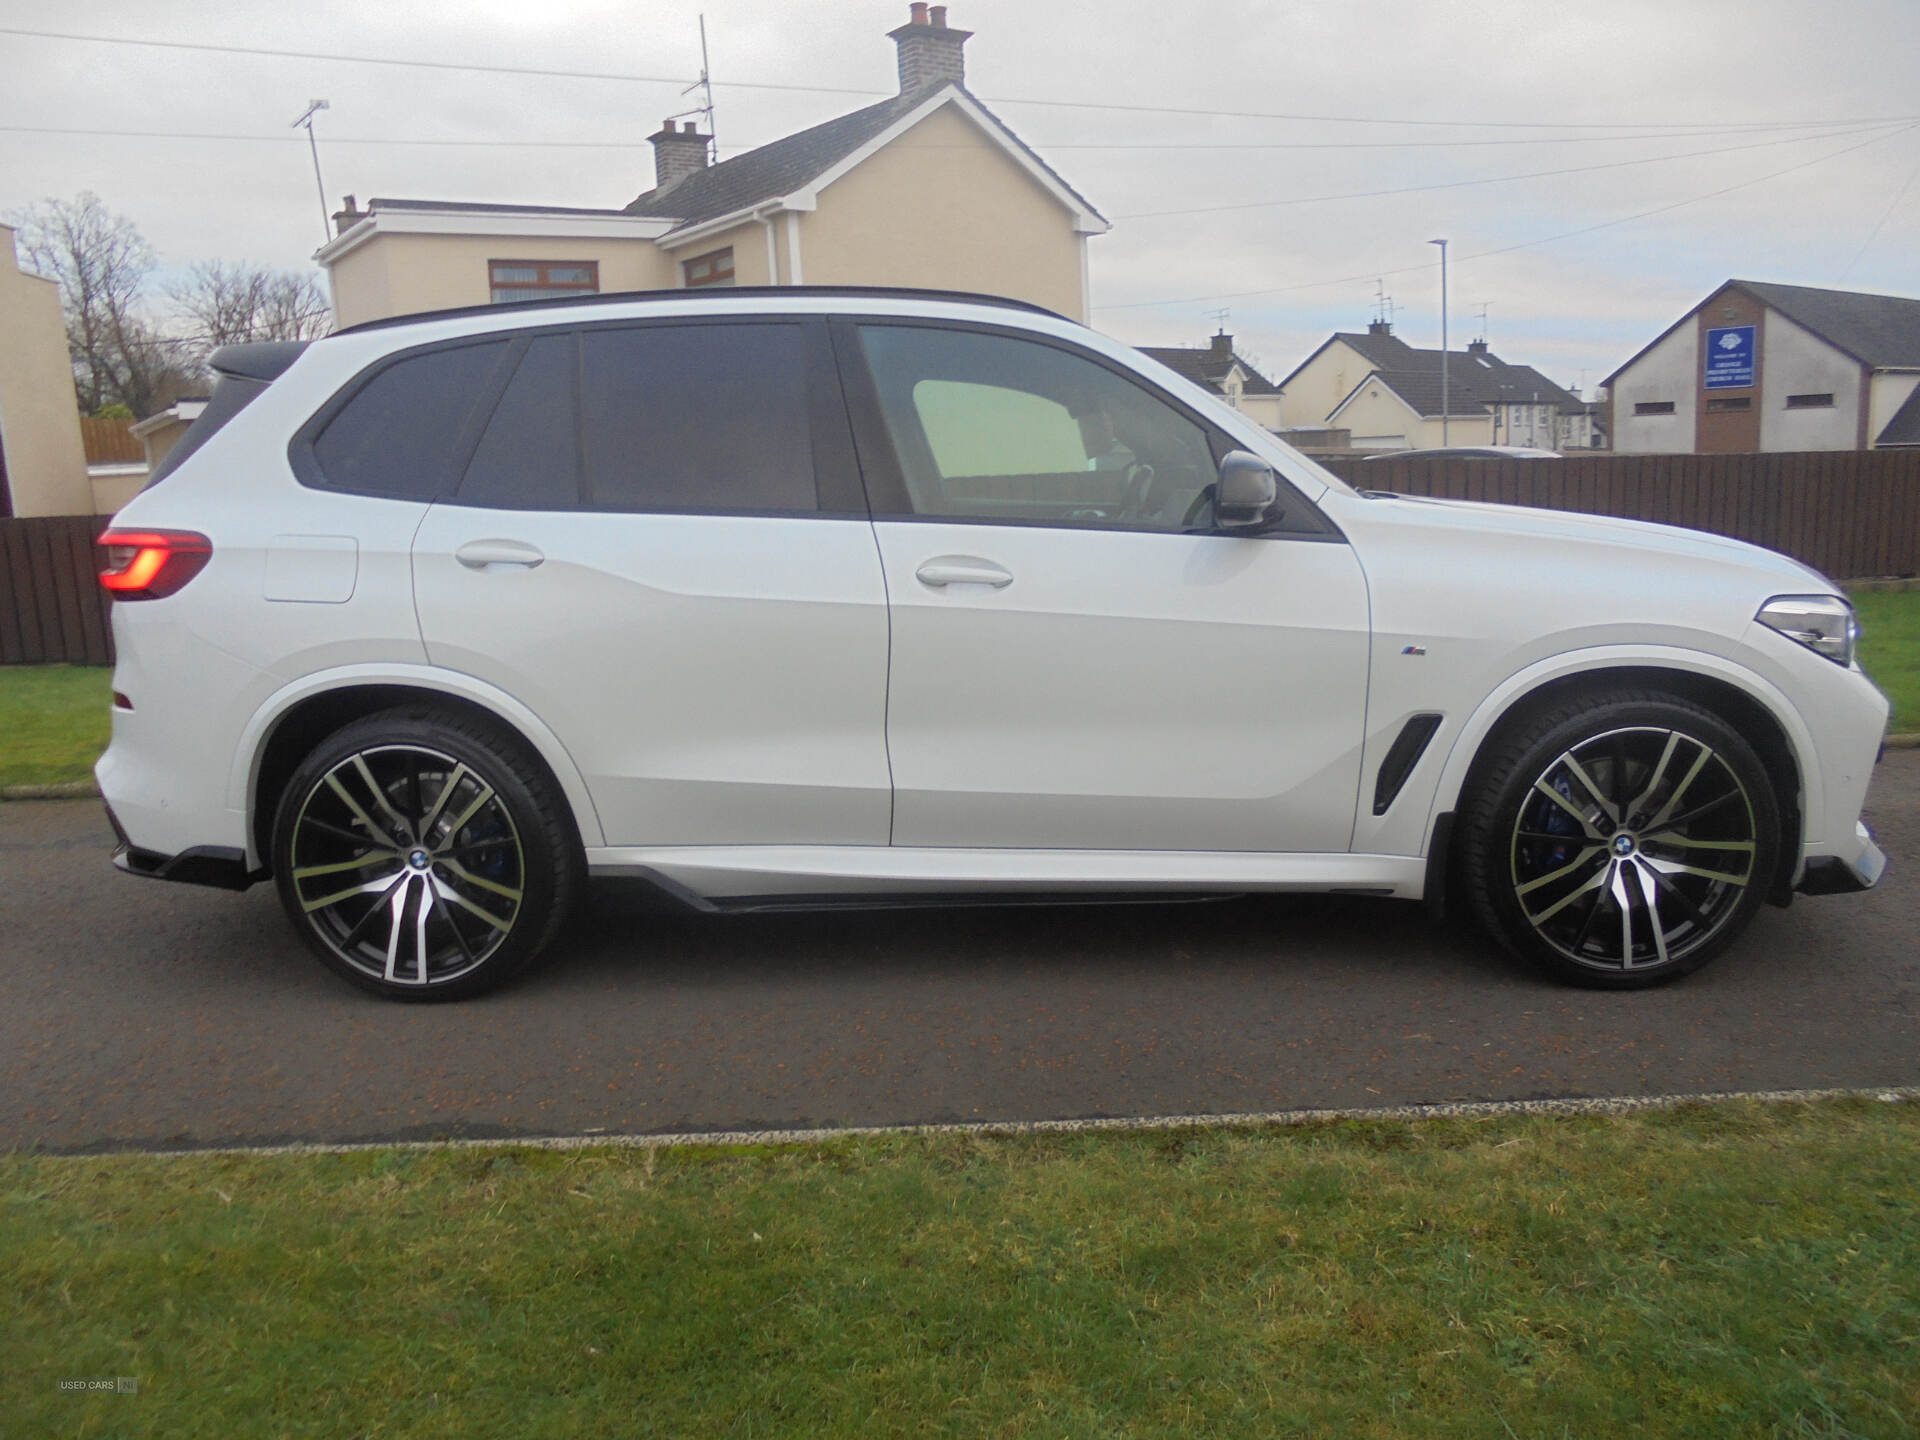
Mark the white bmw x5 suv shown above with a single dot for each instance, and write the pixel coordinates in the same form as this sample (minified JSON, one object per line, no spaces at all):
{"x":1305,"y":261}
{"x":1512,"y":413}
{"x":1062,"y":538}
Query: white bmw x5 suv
{"x":826,"y":596}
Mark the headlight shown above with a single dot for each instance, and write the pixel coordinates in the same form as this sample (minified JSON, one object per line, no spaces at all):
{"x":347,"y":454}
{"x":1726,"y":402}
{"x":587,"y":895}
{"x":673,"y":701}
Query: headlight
{"x":1824,"y":623}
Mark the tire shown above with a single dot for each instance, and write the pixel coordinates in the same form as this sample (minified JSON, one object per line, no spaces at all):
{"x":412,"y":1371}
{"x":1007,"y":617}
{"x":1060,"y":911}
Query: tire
{"x":1620,"y":840}
{"x":423,"y":855}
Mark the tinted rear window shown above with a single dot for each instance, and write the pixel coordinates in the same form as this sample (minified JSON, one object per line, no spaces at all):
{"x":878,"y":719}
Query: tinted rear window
{"x":529,"y":457}
{"x":697,"y":417}
{"x":402,"y":433}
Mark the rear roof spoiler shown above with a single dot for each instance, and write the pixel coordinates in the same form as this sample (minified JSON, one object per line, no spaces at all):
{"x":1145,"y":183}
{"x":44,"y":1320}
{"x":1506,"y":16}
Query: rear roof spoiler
{"x":262,"y":360}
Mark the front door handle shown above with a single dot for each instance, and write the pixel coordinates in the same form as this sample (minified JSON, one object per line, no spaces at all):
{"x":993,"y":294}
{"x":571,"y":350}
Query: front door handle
{"x":962,"y":570}
{"x":481,"y":554}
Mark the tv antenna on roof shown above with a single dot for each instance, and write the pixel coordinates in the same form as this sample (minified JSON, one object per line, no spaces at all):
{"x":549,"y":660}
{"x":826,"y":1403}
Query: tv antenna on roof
{"x":705,"y":109}
{"x":1485,"y":305}
{"x":1219,"y":318}
{"x":314,"y":107}
{"x":1383,"y":306}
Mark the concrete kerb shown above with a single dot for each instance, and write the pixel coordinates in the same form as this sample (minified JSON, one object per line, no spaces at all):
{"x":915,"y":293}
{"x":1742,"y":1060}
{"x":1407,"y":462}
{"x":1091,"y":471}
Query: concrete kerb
{"x":65,"y":790}
{"x":1251,"y":1120}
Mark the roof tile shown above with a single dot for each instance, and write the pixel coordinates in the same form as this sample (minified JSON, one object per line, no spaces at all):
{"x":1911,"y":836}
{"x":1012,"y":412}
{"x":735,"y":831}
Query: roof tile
{"x":1878,"y":330}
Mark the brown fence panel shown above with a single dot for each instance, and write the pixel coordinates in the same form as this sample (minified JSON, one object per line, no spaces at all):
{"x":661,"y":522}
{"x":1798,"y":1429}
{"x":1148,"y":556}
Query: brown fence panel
{"x":52,"y":609}
{"x":110,"y":441}
{"x":1849,"y":513}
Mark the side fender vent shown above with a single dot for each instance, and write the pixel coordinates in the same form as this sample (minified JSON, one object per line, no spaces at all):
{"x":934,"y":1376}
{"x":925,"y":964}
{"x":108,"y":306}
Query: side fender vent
{"x":1405,"y":752}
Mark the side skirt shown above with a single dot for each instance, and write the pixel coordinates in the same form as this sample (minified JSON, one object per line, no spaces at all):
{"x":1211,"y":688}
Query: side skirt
{"x":731,"y":877}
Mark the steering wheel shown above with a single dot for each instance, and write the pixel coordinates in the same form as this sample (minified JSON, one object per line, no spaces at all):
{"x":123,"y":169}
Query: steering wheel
{"x":1133,"y":504}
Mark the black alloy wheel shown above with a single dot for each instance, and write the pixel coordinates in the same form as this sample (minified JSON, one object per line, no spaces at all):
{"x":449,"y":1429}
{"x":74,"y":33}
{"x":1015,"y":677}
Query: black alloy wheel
{"x":1622,"y":842}
{"x":423,"y":855}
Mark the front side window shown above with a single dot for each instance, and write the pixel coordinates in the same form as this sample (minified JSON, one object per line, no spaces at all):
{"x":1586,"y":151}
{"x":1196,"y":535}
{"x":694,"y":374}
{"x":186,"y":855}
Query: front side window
{"x":990,"y":427}
{"x":701,"y":417}
{"x":512,"y":280}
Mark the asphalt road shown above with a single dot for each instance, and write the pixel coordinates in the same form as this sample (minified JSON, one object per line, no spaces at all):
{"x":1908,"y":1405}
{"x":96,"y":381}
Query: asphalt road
{"x":137,"y":1013}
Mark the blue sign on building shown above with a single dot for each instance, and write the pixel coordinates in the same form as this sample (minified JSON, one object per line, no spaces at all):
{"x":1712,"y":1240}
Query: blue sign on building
{"x":1730,"y":358}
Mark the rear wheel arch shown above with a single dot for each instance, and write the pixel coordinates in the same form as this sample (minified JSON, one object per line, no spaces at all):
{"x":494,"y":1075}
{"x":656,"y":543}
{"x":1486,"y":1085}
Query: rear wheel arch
{"x":1740,"y":708}
{"x":293,"y":733}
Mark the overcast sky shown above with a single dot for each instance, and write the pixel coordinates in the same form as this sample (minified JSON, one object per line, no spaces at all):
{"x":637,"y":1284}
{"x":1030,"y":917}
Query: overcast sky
{"x":1820,"y":89}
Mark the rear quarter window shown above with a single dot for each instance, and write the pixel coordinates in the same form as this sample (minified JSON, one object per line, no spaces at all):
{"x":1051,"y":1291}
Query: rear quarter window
{"x":404,"y":431}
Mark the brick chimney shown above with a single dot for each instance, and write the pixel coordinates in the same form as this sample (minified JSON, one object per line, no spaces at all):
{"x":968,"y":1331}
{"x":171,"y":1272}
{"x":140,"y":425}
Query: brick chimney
{"x":929,"y":51}
{"x":1220,"y":347}
{"x":347,"y":216}
{"x":677,"y":153}
{"x":1476,"y":347}
{"x":1380,"y":327}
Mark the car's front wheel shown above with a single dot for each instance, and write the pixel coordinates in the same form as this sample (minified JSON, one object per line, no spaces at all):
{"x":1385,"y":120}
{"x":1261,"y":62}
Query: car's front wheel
{"x":423,"y":855}
{"x":1621,"y":840}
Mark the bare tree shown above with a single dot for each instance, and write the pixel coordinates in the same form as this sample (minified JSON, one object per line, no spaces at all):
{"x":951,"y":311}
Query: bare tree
{"x":229,"y":304}
{"x":101,"y":263}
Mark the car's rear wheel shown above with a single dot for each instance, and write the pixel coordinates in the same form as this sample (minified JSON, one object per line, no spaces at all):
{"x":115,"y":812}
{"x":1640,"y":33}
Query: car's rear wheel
{"x":1621,"y":840}
{"x":423,"y":855}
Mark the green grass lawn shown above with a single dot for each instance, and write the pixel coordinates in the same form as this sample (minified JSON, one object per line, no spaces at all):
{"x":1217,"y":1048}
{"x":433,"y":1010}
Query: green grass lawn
{"x":54,"y":722}
{"x":1739,"y":1270}
{"x":1890,"y":648}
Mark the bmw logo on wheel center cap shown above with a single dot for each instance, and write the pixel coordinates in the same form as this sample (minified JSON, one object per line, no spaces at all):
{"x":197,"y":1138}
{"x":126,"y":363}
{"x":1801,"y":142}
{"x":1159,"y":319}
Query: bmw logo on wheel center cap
{"x":1623,"y":844}
{"x":420,"y":860}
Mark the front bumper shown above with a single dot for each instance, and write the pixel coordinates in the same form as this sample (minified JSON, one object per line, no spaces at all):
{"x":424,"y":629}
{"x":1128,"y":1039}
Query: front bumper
{"x":1859,"y":869}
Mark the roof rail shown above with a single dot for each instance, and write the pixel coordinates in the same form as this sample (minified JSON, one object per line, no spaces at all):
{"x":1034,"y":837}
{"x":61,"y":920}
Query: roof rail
{"x":565,"y":302}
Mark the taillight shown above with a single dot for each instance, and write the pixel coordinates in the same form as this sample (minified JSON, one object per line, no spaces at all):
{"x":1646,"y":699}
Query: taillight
{"x":152,"y":564}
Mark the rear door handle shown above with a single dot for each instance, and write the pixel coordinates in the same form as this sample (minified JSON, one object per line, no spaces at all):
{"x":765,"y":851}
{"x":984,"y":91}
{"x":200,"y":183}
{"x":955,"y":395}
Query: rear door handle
{"x":962,"y":570}
{"x":481,"y":554}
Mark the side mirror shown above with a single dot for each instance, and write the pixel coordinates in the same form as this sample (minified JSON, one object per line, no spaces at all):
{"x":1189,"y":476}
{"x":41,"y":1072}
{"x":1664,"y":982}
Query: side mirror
{"x":1246,"y":491}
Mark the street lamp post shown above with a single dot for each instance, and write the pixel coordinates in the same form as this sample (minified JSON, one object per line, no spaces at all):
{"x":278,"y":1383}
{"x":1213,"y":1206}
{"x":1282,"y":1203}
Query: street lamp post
{"x":1445,"y":408}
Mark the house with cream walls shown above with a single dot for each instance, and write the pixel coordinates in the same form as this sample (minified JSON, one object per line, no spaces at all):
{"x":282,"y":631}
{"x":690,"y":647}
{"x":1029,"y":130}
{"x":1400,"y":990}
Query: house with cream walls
{"x":1217,"y":367}
{"x":928,"y":188}
{"x":1763,"y":367}
{"x":43,"y":465}
{"x":1388,"y":395}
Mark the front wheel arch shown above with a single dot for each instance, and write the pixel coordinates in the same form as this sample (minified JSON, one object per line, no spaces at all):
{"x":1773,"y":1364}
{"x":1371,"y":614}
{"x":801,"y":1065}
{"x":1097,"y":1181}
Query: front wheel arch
{"x":1758,"y":723}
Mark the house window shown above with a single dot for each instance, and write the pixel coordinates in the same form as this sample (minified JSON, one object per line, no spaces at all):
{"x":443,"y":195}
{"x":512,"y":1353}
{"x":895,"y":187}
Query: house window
{"x":1723,"y":403}
{"x":713,"y":268}
{"x":1654,"y":407}
{"x":1810,"y":402}
{"x":511,"y":280}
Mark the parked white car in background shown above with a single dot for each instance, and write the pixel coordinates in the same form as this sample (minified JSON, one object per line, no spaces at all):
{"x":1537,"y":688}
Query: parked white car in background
{"x":809,"y":596}
{"x":1470,"y":452}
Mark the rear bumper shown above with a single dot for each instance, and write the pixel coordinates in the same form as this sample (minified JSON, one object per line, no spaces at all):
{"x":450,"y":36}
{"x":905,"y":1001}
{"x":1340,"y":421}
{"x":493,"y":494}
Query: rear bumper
{"x":220,"y":866}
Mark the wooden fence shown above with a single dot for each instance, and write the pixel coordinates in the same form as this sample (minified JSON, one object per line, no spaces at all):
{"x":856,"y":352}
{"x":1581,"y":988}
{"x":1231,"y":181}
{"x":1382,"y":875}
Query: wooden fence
{"x":52,"y":608}
{"x":1851,"y":514}
{"x":110,"y":442}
